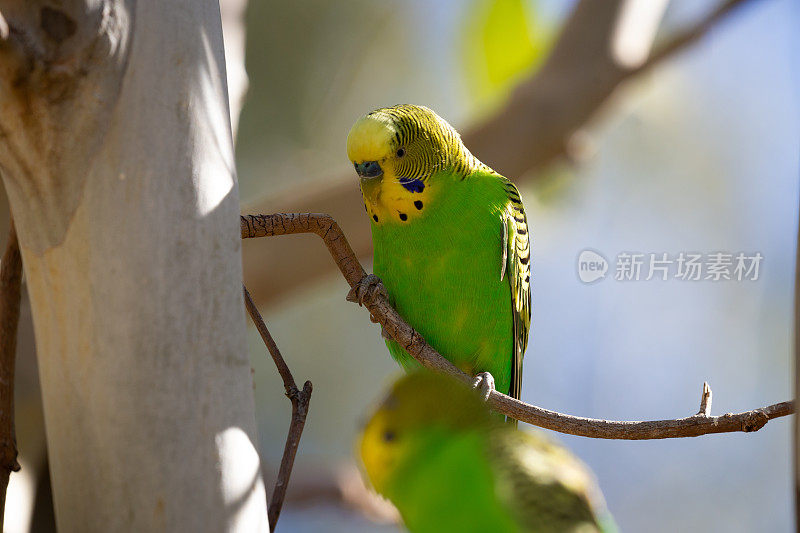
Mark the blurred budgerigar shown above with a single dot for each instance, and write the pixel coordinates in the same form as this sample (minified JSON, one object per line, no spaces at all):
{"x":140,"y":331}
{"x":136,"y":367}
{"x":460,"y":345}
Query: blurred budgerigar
{"x":433,"y":449}
{"x":450,"y":241}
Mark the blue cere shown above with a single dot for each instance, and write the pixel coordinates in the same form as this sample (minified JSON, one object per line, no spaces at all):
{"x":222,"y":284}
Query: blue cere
{"x":412,"y":185}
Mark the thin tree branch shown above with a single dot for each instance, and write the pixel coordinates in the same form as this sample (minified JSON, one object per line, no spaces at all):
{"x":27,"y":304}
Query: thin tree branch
{"x":10,"y":295}
{"x":689,"y":36}
{"x":543,"y":114}
{"x":534,"y":128}
{"x":705,"y":400}
{"x":415,"y":345}
{"x":322,"y":225}
{"x":299,"y":399}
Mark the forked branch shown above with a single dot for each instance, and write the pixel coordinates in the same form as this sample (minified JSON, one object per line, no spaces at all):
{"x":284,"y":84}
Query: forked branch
{"x":299,"y":399}
{"x":692,"y":426}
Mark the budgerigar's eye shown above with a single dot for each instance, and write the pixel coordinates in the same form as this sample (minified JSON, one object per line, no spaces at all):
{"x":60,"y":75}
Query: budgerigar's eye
{"x":389,"y":436}
{"x":401,"y":152}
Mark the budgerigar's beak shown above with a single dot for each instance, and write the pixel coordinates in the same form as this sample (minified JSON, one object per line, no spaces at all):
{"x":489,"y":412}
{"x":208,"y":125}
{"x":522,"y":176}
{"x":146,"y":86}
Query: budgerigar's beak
{"x":368,"y":169}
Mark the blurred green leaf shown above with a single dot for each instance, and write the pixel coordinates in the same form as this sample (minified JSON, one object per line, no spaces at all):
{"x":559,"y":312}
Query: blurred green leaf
{"x":504,"y":40}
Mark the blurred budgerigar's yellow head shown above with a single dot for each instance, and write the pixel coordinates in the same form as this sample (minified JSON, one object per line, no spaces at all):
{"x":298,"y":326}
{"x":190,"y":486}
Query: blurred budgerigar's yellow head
{"x":396,"y":151}
{"x":419,"y":402}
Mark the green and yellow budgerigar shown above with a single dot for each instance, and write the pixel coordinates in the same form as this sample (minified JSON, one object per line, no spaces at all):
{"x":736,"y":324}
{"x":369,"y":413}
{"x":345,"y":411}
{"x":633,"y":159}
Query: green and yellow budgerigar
{"x":448,"y":465}
{"x":450,"y":240}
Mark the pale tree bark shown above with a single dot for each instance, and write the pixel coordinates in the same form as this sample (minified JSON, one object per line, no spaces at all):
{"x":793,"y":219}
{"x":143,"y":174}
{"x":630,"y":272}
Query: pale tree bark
{"x":233,"y":29}
{"x":116,"y":152}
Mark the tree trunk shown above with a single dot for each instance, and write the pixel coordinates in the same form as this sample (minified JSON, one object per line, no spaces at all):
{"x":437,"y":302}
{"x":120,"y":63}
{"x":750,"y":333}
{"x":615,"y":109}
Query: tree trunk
{"x":116,"y":152}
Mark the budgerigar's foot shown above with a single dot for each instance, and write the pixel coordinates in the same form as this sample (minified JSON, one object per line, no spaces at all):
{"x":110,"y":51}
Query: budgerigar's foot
{"x":385,"y":334}
{"x":484,"y":382}
{"x":369,"y":286}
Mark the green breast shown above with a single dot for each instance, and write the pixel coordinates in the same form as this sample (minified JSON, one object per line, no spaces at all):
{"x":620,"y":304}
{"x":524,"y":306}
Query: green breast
{"x":446,"y":484}
{"x":442,"y":273}
{"x":503,"y":481}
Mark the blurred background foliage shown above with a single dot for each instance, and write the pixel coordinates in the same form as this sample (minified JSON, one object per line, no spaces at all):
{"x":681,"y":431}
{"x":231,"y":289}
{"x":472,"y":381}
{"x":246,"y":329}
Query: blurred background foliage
{"x":503,"y":42}
{"x":460,"y":58}
{"x":700,"y":154}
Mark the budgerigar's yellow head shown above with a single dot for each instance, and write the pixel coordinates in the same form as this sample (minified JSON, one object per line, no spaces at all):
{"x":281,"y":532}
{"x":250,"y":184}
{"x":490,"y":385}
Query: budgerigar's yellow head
{"x":398,"y":152}
{"x":418,"y":402}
